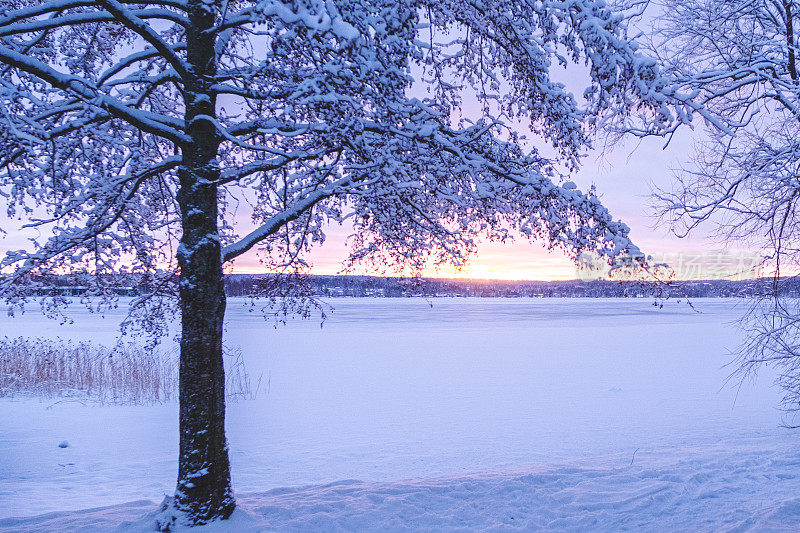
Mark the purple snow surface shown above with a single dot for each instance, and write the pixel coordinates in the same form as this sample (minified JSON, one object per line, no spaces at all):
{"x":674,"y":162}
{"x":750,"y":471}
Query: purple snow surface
{"x":571,"y":414}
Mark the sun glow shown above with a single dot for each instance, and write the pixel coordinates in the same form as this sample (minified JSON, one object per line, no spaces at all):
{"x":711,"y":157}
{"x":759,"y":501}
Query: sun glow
{"x":521,"y":260}
{"x":517,"y":261}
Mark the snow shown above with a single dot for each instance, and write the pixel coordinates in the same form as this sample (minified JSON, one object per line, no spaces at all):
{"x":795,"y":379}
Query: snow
{"x":690,"y":494}
{"x":451,"y":413}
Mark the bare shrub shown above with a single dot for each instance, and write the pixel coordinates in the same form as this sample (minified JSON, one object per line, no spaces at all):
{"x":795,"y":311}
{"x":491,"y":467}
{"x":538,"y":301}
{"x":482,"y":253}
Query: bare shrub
{"x":126,"y":374}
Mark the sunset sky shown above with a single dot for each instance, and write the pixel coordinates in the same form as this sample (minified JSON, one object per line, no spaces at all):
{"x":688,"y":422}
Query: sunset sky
{"x":624,"y":178}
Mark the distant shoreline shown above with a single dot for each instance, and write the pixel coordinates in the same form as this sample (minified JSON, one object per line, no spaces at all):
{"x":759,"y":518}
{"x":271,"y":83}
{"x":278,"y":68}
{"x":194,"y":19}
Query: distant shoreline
{"x":337,"y":286}
{"x":333,"y":286}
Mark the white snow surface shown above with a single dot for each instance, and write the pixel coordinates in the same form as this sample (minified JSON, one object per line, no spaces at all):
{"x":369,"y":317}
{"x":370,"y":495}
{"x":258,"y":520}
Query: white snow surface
{"x":443,"y":414}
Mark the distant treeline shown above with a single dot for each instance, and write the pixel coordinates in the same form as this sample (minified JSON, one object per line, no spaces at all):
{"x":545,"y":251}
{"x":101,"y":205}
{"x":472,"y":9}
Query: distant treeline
{"x":390,"y":287}
{"x":387,"y":287}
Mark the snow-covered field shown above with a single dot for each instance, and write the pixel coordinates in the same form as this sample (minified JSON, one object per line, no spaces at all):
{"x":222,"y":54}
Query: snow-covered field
{"x":465,"y":414}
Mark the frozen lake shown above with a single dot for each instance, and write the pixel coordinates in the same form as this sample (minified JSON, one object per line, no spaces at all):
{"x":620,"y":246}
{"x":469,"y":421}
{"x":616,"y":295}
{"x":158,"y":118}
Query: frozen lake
{"x":391,"y":389}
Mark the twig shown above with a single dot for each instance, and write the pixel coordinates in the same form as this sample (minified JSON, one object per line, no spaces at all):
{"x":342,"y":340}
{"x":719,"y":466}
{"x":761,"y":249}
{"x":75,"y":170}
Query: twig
{"x":633,"y":457}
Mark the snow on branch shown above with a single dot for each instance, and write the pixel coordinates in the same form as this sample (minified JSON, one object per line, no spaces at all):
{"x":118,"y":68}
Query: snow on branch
{"x":317,"y":16}
{"x":98,"y":209}
{"x":131,"y":21}
{"x":164,"y":126}
{"x":280,"y":220}
{"x":8,"y":28}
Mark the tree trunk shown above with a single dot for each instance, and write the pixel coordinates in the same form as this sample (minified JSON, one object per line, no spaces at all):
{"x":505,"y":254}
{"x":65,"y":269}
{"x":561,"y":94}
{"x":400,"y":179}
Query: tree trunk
{"x":204,"y":490}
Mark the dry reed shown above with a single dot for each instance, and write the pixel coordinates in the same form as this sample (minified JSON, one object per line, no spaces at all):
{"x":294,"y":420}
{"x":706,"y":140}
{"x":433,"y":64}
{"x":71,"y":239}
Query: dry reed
{"x":125,"y":374}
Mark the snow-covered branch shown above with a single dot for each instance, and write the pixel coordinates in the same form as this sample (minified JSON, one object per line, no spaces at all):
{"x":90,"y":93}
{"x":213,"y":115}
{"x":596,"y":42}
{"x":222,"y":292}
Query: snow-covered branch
{"x":134,"y":22}
{"x":280,"y":220}
{"x":163,"y":126}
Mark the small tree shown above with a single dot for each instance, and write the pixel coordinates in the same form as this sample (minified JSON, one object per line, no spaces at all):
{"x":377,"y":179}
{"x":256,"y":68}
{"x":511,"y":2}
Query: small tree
{"x":131,"y":130}
{"x":738,"y":59}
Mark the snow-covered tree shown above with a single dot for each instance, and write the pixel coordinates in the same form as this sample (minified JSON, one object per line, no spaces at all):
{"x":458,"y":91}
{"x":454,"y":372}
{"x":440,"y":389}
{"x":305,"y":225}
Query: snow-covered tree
{"x":131,"y":131}
{"x":739,"y":60}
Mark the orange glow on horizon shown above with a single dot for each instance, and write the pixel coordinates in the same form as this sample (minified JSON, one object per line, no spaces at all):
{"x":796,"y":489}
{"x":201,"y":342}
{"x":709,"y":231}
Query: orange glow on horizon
{"x":476,"y":272}
{"x":518,"y":262}
{"x":523,"y":260}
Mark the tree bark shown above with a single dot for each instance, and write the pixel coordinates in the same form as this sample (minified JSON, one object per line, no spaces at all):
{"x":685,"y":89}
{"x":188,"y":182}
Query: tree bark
{"x":204,"y":490}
